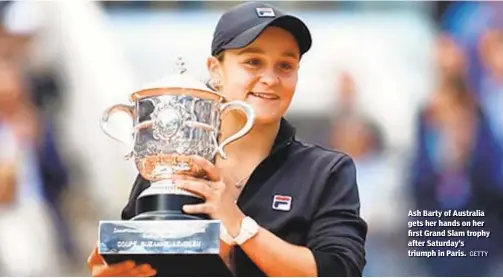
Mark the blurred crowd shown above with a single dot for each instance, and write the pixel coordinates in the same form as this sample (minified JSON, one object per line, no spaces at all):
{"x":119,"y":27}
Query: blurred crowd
{"x":456,"y":159}
{"x":32,"y":172}
{"x":455,"y":163}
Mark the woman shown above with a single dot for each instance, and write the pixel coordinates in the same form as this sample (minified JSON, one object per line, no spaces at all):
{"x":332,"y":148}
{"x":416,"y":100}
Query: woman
{"x":297,"y":209}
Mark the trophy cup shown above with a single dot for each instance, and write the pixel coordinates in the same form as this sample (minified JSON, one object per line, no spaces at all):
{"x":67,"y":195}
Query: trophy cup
{"x":173,"y":118}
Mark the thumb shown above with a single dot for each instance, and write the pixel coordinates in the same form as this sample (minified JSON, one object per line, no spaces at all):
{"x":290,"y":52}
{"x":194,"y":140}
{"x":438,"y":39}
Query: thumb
{"x":95,"y":259}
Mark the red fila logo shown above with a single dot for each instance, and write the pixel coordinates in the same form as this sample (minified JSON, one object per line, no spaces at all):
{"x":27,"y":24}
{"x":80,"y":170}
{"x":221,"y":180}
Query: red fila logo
{"x":281,"y":202}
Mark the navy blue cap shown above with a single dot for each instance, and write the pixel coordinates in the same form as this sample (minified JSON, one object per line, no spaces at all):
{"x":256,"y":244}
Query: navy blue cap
{"x":242,"y":24}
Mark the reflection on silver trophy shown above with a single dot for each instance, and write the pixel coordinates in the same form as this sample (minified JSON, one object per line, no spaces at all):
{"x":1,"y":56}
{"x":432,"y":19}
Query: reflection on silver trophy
{"x":174,"y":118}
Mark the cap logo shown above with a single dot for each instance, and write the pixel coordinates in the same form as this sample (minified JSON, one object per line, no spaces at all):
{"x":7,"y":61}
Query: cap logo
{"x":265,"y":12}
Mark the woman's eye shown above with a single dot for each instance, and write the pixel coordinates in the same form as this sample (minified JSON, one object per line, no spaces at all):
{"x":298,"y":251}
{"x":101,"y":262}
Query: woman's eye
{"x":286,"y":66}
{"x":253,"y":62}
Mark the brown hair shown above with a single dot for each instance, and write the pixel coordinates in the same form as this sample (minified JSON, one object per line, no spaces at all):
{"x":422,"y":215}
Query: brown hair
{"x":220,"y":56}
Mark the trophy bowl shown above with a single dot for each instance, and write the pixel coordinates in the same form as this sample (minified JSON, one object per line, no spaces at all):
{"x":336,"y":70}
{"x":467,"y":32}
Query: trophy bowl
{"x":173,"y":119}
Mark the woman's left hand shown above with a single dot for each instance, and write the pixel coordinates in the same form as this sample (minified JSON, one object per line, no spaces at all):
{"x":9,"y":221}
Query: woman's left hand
{"x":219,"y":203}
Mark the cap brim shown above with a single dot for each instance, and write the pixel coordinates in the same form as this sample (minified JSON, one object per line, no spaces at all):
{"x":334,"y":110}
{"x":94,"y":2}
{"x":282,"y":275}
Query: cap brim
{"x":290,"y":23}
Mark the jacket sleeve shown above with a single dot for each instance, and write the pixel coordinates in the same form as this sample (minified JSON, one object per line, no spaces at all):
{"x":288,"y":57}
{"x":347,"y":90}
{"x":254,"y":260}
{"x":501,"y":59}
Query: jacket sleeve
{"x":139,"y":185}
{"x":337,"y":235}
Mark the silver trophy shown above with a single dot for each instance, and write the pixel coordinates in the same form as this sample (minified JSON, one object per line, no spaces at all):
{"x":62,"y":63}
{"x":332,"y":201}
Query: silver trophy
{"x":173,"y":119}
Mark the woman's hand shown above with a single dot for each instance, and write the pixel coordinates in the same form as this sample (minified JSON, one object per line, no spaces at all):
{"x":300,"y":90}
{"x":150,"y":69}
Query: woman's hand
{"x":218,"y":204}
{"x":99,"y":268}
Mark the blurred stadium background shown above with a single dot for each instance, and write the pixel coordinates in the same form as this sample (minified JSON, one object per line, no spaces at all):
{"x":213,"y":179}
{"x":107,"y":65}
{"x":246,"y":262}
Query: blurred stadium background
{"x":411,"y":90}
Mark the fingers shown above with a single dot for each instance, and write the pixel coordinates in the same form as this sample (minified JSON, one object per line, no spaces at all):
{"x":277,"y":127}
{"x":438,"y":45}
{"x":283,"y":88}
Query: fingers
{"x":112,"y":270}
{"x":124,"y":269}
{"x":140,"y":271}
{"x":204,"y":208}
{"x":95,"y":259}
{"x":183,"y":177}
{"x":99,"y":268}
{"x":198,"y":187}
{"x":178,"y":177}
{"x":210,"y":169}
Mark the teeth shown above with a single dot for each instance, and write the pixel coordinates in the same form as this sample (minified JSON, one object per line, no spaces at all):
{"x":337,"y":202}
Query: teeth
{"x":266,"y":96}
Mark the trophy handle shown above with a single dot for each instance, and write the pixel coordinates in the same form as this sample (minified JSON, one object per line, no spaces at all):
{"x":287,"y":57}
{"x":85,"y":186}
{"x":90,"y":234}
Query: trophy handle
{"x":250,"y":118}
{"x":128,"y":109}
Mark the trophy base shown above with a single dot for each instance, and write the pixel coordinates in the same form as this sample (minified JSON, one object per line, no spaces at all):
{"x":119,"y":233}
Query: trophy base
{"x":172,"y":248}
{"x":166,"y":207}
{"x":178,"y":265}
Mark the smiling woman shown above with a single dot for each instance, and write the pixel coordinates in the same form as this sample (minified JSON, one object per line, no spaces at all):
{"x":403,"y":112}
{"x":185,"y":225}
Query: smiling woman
{"x":298,"y":213}
{"x":264,"y":74}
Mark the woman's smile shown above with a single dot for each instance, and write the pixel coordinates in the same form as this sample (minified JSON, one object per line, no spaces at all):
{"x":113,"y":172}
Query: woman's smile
{"x":264,"y":96}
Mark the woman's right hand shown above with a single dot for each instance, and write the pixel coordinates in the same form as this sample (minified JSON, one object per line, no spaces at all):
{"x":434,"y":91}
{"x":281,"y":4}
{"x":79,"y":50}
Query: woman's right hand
{"x":99,"y":268}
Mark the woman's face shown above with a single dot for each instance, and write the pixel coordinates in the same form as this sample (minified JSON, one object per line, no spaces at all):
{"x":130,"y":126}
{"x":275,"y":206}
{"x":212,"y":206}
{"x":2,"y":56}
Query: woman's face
{"x":263,"y":74}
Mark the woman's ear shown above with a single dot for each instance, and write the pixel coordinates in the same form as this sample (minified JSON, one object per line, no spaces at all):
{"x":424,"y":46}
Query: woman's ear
{"x":214,"y":68}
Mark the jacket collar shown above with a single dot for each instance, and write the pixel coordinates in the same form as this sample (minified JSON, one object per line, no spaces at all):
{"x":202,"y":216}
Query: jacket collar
{"x":285,"y":137}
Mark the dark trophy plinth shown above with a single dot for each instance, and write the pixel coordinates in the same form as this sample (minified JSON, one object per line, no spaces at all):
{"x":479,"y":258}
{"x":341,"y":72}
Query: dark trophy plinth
{"x":172,"y":247}
{"x":172,"y":242}
{"x":173,"y":119}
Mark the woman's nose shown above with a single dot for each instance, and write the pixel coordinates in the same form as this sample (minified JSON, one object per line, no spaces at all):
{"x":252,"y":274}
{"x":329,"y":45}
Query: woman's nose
{"x":269,"y":77}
